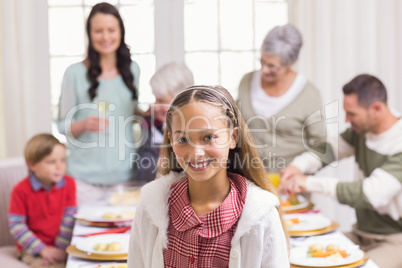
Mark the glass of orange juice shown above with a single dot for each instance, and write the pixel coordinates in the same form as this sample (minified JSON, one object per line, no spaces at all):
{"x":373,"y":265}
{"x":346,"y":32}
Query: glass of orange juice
{"x":275,"y":178}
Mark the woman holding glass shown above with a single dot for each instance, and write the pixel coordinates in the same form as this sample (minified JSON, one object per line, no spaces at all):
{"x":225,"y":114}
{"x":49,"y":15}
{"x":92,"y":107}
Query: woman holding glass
{"x":98,"y":99}
{"x":281,"y":107}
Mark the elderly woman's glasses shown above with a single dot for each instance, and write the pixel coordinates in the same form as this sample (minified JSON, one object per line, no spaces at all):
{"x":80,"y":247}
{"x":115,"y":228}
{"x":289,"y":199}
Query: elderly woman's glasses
{"x":271,"y":67}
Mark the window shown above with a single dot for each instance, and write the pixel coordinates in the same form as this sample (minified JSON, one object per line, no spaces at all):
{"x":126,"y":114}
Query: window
{"x":221,"y":38}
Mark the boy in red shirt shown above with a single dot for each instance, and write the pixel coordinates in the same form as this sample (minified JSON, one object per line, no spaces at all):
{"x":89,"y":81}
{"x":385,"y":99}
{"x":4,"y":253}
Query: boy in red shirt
{"x":43,"y":204}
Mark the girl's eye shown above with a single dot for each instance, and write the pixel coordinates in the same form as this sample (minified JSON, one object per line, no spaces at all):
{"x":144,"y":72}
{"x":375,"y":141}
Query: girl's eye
{"x":181,"y":140}
{"x":209,"y":137}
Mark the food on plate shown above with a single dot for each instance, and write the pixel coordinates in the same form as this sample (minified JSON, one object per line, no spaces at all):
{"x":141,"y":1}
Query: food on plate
{"x":110,"y":216}
{"x":315,"y":247}
{"x":292,"y":200}
{"x":290,"y":222}
{"x":331,"y":247}
{"x":337,"y":257}
{"x":114,"y":246}
{"x":100,"y":247}
{"x":321,"y":254}
{"x":332,"y":250}
{"x":126,"y":214}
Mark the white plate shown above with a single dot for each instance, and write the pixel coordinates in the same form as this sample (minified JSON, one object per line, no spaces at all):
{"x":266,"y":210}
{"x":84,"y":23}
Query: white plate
{"x":303,"y":203}
{"x":97,"y":216}
{"x":308,"y":222}
{"x":87,"y":244}
{"x":298,"y":256}
{"x":104,"y":265}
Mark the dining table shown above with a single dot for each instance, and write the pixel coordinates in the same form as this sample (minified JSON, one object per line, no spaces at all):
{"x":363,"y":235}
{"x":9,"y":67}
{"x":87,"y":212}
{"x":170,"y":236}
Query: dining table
{"x":81,"y":230}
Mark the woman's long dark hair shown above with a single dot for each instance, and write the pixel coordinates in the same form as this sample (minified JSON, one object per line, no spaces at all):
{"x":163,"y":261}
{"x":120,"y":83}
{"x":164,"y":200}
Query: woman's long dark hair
{"x":122,"y":54}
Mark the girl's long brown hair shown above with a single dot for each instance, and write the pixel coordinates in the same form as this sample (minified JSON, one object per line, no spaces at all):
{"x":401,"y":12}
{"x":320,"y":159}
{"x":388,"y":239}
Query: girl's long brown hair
{"x":239,"y":160}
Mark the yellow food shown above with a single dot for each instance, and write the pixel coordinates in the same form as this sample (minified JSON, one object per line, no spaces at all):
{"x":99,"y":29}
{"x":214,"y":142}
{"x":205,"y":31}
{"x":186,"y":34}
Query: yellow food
{"x":315,"y":248}
{"x":332,"y":247}
{"x":100,"y":247}
{"x":290,"y":222}
{"x":115,"y":246}
{"x":126,"y":215}
{"x":321,"y":254}
{"x":110,"y":215}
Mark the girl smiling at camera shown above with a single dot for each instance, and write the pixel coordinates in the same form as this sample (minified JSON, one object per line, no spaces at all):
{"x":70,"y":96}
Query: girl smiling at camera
{"x":211,"y":205}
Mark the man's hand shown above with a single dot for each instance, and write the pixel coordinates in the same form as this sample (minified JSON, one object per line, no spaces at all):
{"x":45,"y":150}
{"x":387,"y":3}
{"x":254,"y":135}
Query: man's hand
{"x":52,"y":255}
{"x":297,"y":184}
{"x":288,"y":172}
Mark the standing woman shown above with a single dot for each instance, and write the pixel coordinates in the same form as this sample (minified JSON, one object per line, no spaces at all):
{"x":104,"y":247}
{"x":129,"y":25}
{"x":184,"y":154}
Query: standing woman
{"x":276,"y":101}
{"x":98,"y":99}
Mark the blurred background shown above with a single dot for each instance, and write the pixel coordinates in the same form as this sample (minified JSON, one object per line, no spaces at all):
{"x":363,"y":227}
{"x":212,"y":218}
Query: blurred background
{"x":218,"y":39}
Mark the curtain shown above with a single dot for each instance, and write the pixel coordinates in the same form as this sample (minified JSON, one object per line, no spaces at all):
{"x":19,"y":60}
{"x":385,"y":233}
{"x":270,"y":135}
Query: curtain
{"x":2,"y":123}
{"x":344,"y":38}
{"x":25,"y":77}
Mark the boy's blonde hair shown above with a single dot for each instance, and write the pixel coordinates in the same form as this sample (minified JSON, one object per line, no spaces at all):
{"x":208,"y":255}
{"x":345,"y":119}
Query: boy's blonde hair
{"x":39,"y":146}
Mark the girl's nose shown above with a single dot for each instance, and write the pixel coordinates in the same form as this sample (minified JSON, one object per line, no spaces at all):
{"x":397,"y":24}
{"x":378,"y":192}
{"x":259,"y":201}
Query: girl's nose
{"x":199,"y":152}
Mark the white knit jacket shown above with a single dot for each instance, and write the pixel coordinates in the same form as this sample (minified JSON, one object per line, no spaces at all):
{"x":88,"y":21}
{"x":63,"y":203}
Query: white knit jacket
{"x":259,"y":240}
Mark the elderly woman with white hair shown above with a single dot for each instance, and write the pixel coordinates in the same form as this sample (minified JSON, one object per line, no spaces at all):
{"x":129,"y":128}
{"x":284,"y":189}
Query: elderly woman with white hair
{"x":276,"y":101}
{"x":167,"y":82}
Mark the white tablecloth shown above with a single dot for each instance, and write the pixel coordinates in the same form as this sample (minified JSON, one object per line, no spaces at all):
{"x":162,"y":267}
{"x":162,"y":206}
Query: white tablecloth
{"x":73,"y":262}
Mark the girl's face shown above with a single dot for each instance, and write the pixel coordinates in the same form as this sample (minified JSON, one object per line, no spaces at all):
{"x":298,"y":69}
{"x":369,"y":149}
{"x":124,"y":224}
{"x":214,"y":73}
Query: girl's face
{"x":201,"y":140}
{"x":105,"y":33}
{"x":52,"y":167}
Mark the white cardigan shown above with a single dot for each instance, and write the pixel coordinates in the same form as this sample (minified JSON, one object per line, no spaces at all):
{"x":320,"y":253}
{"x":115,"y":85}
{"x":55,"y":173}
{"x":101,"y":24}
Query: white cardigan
{"x":259,"y":240}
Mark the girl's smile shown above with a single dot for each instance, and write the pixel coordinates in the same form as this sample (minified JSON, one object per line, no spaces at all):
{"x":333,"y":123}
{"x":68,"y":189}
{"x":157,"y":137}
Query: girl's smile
{"x":198,"y":166}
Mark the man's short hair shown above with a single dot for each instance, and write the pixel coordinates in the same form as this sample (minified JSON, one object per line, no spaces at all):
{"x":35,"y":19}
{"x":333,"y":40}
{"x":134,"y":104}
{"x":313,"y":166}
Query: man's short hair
{"x":368,"y":89}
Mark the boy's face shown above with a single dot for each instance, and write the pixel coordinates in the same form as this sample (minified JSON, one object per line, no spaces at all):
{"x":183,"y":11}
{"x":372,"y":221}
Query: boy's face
{"x":52,"y":167}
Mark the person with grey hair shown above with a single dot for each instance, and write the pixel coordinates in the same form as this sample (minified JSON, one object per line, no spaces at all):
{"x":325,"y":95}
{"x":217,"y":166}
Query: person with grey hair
{"x":276,"y":101}
{"x":167,"y":82}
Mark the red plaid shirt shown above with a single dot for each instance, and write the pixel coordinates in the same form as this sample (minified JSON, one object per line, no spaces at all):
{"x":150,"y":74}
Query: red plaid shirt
{"x":203,"y":241}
